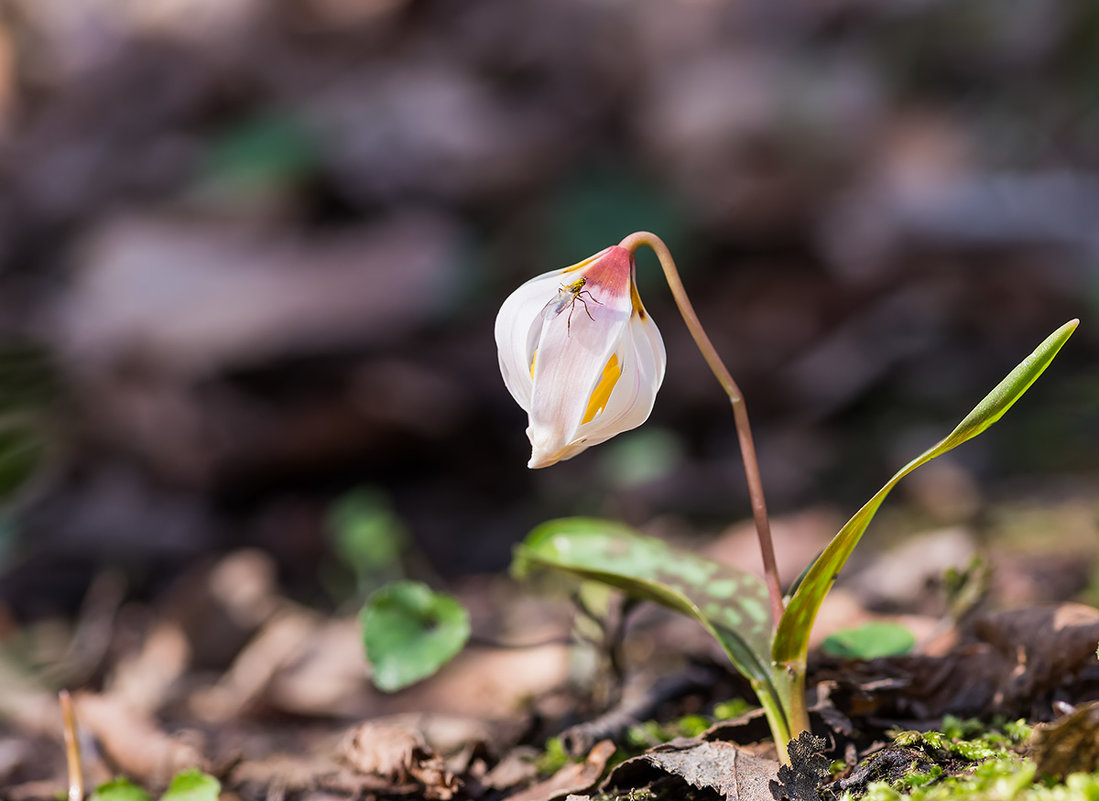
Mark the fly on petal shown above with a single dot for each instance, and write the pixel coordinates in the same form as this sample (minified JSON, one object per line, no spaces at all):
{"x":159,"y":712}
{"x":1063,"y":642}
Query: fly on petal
{"x":580,"y":355}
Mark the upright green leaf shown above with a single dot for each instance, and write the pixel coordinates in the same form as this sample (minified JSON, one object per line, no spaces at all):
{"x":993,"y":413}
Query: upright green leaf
{"x":792,"y":639}
{"x":731,"y":604}
{"x":410,"y":631}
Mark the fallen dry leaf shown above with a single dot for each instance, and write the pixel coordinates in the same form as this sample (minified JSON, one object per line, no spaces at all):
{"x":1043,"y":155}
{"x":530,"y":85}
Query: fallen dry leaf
{"x":808,"y":768}
{"x":1069,"y":744}
{"x":516,"y":767}
{"x":134,"y":743}
{"x":400,"y":755}
{"x":1010,"y":663}
{"x":573,"y":778}
{"x":735,"y":774}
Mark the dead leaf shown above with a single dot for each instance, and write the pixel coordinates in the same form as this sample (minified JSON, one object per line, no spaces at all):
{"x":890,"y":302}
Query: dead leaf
{"x":892,"y":764}
{"x":516,"y":767}
{"x":736,"y":774}
{"x":808,"y":768}
{"x":400,"y":755}
{"x":134,"y":743}
{"x":284,"y":638}
{"x":193,"y":297}
{"x":1009,"y":663}
{"x":1069,"y":744}
{"x":143,"y":680}
{"x":573,"y":778}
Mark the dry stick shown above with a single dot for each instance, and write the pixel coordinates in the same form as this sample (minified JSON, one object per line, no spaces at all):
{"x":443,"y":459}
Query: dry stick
{"x":72,"y":747}
{"x":740,"y":412}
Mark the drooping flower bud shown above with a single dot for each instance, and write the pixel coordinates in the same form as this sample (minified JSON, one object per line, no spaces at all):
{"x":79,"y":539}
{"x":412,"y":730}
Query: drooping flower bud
{"x":580,"y":354}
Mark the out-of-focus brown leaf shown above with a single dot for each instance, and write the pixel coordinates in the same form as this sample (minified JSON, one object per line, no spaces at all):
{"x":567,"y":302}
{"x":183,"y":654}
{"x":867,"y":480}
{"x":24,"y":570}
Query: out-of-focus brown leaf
{"x":516,"y":767}
{"x":735,"y":774}
{"x":401,"y":756}
{"x":573,"y":778}
{"x":1010,"y":663}
{"x":1069,"y":744}
{"x":283,"y":640}
{"x":134,"y":743}
{"x":187,"y":298}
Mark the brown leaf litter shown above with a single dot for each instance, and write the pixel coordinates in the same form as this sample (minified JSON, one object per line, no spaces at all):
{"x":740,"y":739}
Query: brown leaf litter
{"x":572,"y":778}
{"x":734,"y":773}
{"x":1016,"y":663}
{"x":1069,"y":744}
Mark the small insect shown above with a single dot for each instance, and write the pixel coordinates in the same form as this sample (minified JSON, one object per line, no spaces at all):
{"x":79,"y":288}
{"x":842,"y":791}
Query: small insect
{"x":567,"y":296}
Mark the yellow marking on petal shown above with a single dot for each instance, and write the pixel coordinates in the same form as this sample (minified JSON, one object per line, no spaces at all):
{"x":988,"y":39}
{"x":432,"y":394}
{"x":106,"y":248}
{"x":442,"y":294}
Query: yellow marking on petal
{"x":598,"y":401}
{"x":533,"y":359}
{"x":635,"y":300}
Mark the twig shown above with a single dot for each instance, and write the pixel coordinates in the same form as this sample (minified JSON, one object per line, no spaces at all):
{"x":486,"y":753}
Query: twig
{"x":72,"y":747}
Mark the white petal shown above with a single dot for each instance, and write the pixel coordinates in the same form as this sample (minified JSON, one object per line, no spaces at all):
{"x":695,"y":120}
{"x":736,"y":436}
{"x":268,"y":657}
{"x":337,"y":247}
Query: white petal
{"x":643,"y":360}
{"x":521,"y":311}
{"x":571,"y":356}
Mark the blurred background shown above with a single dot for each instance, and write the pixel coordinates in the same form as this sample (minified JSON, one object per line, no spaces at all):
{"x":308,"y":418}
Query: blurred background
{"x":251,"y":252}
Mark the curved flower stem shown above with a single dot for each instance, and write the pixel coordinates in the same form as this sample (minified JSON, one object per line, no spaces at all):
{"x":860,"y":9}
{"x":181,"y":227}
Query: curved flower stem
{"x":740,"y":413}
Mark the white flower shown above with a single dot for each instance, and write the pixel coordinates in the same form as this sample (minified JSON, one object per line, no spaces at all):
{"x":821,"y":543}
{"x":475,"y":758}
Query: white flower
{"x":580,"y":354}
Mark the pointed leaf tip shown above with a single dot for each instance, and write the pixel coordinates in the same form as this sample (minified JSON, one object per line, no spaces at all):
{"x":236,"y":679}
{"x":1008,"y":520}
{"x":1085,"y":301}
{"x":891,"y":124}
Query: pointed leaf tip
{"x":791,"y":641}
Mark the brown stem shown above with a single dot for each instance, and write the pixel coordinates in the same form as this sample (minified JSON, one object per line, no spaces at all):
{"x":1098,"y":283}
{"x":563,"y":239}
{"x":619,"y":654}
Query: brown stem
{"x":72,"y":747}
{"x":740,"y":412}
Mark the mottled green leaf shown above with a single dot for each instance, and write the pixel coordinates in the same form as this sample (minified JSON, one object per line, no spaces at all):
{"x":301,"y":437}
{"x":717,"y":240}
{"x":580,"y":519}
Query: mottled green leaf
{"x":192,"y":785}
{"x":870,"y":641}
{"x":731,"y":604}
{"x":792,"y":640}
{"x":410,"y":631}
{"x":119,"y":790}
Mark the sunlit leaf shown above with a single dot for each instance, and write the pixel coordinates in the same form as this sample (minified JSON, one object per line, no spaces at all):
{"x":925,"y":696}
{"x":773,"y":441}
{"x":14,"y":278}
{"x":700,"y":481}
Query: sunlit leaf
{"x":119,"y":790}
{"x":870,"y":641}
{"x":192,"y":785}
{"x":731,"y":604}
{"x":410,"y":631}
{"x":792,"y":639}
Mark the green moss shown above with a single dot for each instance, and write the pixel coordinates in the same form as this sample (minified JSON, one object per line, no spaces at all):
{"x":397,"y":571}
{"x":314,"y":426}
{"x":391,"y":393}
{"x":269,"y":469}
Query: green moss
{"x":988,"y":767}
{"x":733,"y":708}
{"x":553,"y":757}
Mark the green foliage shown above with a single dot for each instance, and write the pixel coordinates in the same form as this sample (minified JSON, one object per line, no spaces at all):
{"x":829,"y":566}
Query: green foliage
{"x":870,"y":641}
{"x":639,"y":457}
{"x":119,"y":790}
{"x":791,"y":644}
{"x":367,"y":536}
{"x":1003,"y":778}
{"x":188,"y":785}
{"x":192,"y":785}
{"x":553,"y":757}
{"x":410,"y":631}
{"x":990,"y":767}
{"x":29,"y":392}
{"x":969,"y":738}
{"x":731,"y":709}
{"x":602,"y":203}
{"x":730,"y":603}
{"x":261,"y":155}
{"x":649,"y":733}
{"x":733,"y":605}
